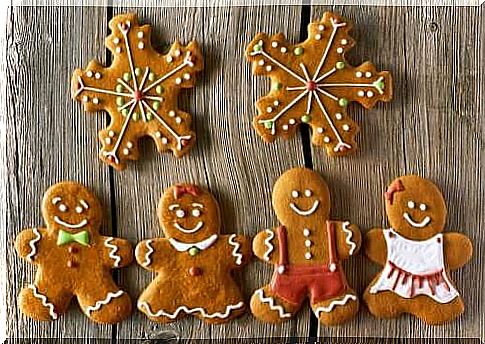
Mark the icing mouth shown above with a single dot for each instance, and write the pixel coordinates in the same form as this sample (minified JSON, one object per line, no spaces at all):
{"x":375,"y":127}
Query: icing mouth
{"x":187,"y":230}
{"x":305,"y":212}
{"x":421,"y":224}
{"x":68,"y":225}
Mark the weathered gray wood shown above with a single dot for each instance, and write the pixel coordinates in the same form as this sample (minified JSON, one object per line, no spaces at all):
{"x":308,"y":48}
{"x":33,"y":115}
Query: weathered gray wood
{"x":432,"y":127}
{"x":48,"y":139}
{"x":229,"y":158}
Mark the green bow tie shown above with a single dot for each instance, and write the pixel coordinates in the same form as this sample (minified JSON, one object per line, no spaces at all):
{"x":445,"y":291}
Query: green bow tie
{"x":65,"y":238}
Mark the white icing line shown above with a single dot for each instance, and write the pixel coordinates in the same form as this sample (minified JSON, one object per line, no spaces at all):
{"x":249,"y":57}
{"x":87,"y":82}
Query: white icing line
{"x":33,"y":248}
{"x":148,"y":260}
{"x":229,"y":308}
{"x":112,"y":253}
{"x":331,"y":306}
{"x":268,"y":244}
{"x":348,"y":238}
{"x":107,"y":300}
{"x":413,"y":223}
{"x":45,"y":303}
{"x":235,"y":252}
{"x":271,"y":303}
{"x":69,"y":225}
{"x":308,"y":212}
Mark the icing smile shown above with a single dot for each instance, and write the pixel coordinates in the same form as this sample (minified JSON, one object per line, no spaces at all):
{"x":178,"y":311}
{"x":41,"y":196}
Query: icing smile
{"x":189,"y":231}
{"x":68,"y":225}
{"x":413,"y":223}
{"x":310,"y":211}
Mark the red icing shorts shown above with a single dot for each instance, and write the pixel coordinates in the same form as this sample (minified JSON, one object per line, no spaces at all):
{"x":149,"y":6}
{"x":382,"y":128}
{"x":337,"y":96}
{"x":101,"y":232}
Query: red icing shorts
{"x":317,"y":281}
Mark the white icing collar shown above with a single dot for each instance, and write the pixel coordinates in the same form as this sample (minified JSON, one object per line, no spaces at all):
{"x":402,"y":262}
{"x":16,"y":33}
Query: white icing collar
{"x":201,"y":245}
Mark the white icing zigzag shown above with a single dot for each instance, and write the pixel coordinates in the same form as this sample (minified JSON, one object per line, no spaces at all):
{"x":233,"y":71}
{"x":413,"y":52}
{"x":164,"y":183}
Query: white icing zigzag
{"x":148,"y":261}
{"x":235,"y":252}
{"x":45,"y":303}
{"x":33,"y":249}
{"x":271,"y":303}
{"x":229,"y":308}
{"x":348,"y":240}
{"x":107,"y":300}
{"x":112,"y":253}
{"x":332,"y":304}
{"x":267,"y":242}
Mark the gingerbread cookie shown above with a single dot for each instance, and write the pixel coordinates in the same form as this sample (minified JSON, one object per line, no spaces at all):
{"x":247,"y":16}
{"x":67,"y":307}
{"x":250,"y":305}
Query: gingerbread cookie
{"x":194,"y":262}
{"x":416,"y":255}
{"x":306,"y":250}
{"x":73,"y":259}
{"x":312,"y":83}
{"x":139,"y":91}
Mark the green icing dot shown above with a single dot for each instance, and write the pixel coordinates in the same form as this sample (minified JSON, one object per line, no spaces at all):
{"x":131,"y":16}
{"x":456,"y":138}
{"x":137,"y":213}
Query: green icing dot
{"x":135,"y":116}
{"x":276,"y":86}
{"x":159,"y":89}
{"x":149,"y":117}
{"x":120,"y":101}
{"x":119,"y":88}
{"x":124,"y":112}
{"x":127,"y":76}
{"x":340,"y":65}
{"x":298,"y":51}
{"x":257,"y":47}
{"x":268,"y":125}
{"x":306,"y":118}
{"x":137,"y":71}
{"x":193,"y":251}
{"x":156,"y":105}
{"x":343,"y":102}
{"x":151,"y":76}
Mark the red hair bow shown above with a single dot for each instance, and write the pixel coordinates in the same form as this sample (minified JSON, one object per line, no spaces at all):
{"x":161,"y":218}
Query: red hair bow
{"x":181,"y":190}
{"x":396,"y":186}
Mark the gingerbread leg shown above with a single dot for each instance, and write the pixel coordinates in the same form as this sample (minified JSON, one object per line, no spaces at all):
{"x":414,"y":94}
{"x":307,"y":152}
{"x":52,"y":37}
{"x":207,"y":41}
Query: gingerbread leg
{"x":218,"y":312}
{"x":41,"y":301}
{"x":269,"y":308}
{"x":338,"y":309}
{"x":384,"y":304}
{"x":106,"y":303}
{"x":434,"y":313}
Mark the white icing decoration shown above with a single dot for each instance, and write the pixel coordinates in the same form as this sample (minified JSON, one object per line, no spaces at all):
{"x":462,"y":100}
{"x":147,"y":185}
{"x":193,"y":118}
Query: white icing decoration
{"x":422,"y":206}
{"x":415,"y":224}
{"x":79,"y":209}
{"x":56,"y":200}
{"x":235,"y":252}
{"x":107,"y":300}
{"x":271,"y":302}
{"x":308,"y":255}
{"x":345,"y":127}
{"x":306,"y":232}
{"x":334,"y":303}
{"x":68,"y":225}
{"x":180,"y":213}
{"x":295,"y":194}
{"x":112,"y":253}
{"x":411,"y":205}
{"x":144,"y":305}
{"x":62,"y":207}
{"x":148,"y":260}
{"x":348,"y":238}
{"x":268,"y":244}
{"x":44,"y":300}
{"x":195,"y":212}
{"x":308,"y":212}
{"x":308,"y":193}
{"x":33,"y":248}
{"x":199,"y":205}
{"x":173,"y":206}
{"x":201,"y":245}
{"x":198,"y":226}
{"x":84,"y":204}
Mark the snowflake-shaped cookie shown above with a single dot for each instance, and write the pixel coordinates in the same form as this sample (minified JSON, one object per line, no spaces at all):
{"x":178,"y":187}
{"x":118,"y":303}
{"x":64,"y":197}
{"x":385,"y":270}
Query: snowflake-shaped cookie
{"x":312,"y":83}
{"x":139,"y":91}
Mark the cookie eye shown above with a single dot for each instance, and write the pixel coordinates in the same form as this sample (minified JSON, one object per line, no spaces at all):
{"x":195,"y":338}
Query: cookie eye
{"x":411,"y":205}
{"x":295,"y":194}
{"x":422,"y":206}
{"x":308,"y":193}
{"x":62,"y":207}
{"x":79,"y":209}
{"x":196,"y":212}
{"x":180,"y":213}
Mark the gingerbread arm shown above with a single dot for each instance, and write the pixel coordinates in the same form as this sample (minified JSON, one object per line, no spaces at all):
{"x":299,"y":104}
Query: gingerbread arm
{"x":27,"y":243}
{"x":151,"y":253}
{"x":117,"y":252}
{"x":348,"y":239}
{"x":375,"y":246}
{"x":240,"y":249}
{"x":265,"y":246}
{"x":458,"y":250}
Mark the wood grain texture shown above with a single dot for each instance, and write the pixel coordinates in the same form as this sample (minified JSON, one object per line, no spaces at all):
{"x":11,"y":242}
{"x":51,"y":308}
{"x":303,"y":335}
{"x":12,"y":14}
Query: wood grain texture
{"x":433,"y":127}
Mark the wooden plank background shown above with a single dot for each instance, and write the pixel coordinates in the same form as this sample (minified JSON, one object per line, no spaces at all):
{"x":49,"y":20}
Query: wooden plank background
{"x":434,"y":127}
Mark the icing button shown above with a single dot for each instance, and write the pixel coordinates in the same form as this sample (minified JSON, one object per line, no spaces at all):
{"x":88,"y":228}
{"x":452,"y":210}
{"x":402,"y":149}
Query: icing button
{"x":193,"y":271}
{"x":71,"y":264}
{"x":72,"y":249}
{"x":193,"y":251}
{"x":306,"y":232}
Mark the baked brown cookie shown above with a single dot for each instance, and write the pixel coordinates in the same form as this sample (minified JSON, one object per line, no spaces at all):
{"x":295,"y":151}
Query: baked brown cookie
{"x":73,"y":259}
{"x":416,"y":255}
{"x":139,"y":91}
{"x":194,"y":262}
{"x":306,"y":250}
{"x":312,"y":83}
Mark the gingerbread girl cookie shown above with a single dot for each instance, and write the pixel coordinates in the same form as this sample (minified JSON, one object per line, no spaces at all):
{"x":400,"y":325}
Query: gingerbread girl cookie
{"x":139,"y":91}
{"x":306,"y":251}
{"x":73,"y":259}
{"x":416,"y":255}
{"x":194,"y":262}
{"x":312,"y":83}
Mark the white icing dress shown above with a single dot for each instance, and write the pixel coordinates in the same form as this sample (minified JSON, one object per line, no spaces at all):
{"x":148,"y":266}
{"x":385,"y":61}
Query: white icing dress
{"x":415,"y":268}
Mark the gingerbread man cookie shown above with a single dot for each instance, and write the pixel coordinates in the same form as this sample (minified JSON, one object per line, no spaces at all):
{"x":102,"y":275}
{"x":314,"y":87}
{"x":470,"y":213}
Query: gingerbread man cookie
{"x":73,"y":259}
{"x":416,"y":255}
{"x":312,"y":83}
{"x":306,"y":250}
{"x":194,"y":262}
{"x":139,"y":91}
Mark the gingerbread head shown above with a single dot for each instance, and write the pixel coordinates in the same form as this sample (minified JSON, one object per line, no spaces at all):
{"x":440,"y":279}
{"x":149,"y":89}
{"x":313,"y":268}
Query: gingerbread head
{"x":188,"y":213}
{"x":415,"y":207}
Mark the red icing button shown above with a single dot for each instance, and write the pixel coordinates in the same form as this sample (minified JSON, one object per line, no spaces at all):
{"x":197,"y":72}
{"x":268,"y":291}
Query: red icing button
{"x":311,"y":85}
{"x":193,"y":271}
{"x":71,"y":264}
{"x":72,"y":249}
